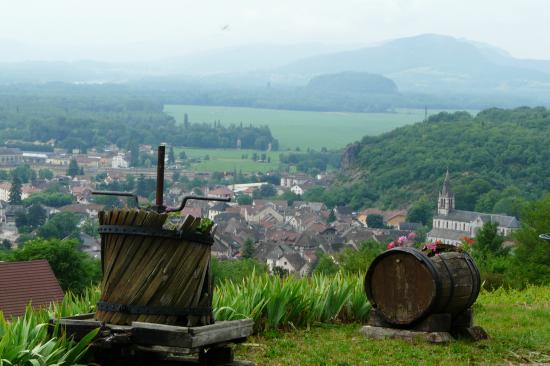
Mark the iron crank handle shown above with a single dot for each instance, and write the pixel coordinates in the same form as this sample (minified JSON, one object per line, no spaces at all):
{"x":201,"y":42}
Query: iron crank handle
{"x":116,"y":193}
{"x":198,"y":198}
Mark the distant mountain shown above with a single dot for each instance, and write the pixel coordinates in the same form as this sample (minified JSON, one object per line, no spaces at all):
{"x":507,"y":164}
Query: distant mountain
{"x":434,"y":63}
{"x":426,"y":70}
{"x":235,"y":65}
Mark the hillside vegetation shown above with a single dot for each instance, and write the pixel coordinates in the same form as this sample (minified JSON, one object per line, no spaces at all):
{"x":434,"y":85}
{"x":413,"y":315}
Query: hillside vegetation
{"x":496,"y":159}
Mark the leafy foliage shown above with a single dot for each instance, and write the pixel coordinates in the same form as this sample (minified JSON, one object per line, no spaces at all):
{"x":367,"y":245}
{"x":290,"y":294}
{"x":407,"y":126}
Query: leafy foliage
{"x":60,"y":225}
{"x":532,"y":255}
{"x":52,"y":199}
{"x":375,"y":221}
{"x":15,"y":191}
{"x":25,"y":341}
{"x":235,"y":270}
{"x":280,"y":302}
{"x":74,"y":269}
{"x":265,"y":191}
{"x":495,"y":150}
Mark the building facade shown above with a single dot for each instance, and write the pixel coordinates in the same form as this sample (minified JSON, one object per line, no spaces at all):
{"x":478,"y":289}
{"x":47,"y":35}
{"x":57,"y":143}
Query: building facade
{"x":450,"y":225}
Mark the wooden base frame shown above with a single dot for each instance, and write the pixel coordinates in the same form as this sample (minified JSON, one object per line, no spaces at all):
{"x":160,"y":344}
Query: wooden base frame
{"x":150,"y":343}
{"x":436,"y":328}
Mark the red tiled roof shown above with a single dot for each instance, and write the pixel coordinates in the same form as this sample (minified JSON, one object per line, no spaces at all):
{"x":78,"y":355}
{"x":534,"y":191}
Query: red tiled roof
{"x":22,"y":283}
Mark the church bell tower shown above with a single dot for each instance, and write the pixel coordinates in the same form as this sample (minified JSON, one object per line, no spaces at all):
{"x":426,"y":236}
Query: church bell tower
{"x":446,"y":202}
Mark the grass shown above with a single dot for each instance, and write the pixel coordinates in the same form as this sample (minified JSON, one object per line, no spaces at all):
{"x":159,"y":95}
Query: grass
{"x":304,"y":129}
{"x":229,"y":159}
{"x":518,"y":323}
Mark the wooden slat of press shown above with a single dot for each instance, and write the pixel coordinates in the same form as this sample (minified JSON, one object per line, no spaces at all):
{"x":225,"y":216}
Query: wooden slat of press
{"x":110,"y":291}
{"x":146,"y":267}
{"x":184,"y":296}
{"x":165,"y":293}
{"x":114,"y":293}
{"x":136,"y":247}
{"x":183,"y":273}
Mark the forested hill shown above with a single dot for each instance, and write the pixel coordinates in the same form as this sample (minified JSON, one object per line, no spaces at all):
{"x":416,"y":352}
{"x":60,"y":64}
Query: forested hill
{"x":496,"y":159}
{"x":353,"y":82}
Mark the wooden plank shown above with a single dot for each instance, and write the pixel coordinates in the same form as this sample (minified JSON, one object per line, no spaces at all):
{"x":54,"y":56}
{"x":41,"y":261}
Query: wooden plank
{"x":221,"y":325}
{"x":166,"y":349}
{"x":160,"y":334}
{"x":160,"y":327}
{"x":89,"y":316}
{"x":80,"y":322}
{"x":221,"y":335}
{"x":191,"y":337}
{"x":408,"y":335}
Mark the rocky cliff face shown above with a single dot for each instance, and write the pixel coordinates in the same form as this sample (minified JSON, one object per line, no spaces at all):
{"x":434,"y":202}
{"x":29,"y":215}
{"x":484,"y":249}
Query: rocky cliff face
{"x":349,"y":156}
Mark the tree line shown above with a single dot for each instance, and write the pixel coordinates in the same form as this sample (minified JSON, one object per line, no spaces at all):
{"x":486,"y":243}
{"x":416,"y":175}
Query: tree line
{"x":79,"y":118}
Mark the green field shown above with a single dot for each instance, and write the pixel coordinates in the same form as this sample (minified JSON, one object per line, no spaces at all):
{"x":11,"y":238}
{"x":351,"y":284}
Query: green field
{"x":229,"y":159}
{"x":301,"y":128}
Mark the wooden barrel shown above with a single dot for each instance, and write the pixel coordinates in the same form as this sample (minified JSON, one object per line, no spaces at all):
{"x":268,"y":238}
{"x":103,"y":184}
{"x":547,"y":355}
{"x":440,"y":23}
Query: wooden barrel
{"x":151,"y":274}
{"x":405,"y":285}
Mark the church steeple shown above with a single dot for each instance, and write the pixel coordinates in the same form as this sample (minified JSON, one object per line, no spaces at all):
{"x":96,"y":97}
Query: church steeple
{"x":446,"y":202}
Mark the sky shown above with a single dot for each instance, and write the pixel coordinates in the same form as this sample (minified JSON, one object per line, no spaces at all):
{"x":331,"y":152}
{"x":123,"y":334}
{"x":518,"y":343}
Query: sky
{"x":137,"y":30}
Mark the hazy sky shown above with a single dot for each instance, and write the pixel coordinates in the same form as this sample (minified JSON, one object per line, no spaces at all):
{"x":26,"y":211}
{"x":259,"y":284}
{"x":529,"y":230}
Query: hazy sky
{"x":130,"y":29}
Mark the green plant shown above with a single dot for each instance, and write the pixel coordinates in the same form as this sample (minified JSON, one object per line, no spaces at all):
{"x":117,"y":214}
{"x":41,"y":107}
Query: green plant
{"x":275,"y":302}
{"x":25,"y":341}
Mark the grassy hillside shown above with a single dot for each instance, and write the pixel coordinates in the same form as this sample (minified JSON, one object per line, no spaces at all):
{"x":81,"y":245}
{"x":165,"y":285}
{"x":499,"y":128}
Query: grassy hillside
{"x":496,"y":155}
{"x":303,"y":129}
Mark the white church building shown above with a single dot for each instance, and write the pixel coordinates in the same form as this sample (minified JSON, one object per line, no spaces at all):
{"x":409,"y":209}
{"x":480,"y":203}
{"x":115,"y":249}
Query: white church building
{"x":450,"y":226}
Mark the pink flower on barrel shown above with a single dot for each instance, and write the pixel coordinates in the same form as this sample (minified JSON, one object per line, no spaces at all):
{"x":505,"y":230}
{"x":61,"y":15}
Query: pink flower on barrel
{"x":401,"y":241}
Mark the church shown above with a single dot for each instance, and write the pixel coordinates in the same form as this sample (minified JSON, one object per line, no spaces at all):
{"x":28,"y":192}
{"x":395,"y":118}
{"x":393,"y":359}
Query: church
{"x":450,"y":226}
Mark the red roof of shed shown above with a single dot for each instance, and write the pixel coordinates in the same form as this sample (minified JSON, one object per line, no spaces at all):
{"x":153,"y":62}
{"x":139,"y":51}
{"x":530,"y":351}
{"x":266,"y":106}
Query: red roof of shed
{"x":22,"y":283}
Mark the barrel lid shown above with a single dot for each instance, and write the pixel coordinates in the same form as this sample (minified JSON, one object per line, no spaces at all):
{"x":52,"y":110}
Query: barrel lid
{"x":402,"y":284}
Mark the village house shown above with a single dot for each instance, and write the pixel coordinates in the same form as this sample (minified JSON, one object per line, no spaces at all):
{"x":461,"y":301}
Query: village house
{"x":24,"y":283}
{"x":34,"y":158}
{"x":392,"y":218}
{"x":58,"y":160}
{"x":119,"y":162}
{"x":246,"y":188}
{"x":221,"y":192}
{"x":289,"y":181}
{"x":287,"y":259}
{"x":88,"y":161}
{"x":10,"y":156}
{"x":257,"y":214}
{"x":26,"y":191}
{"x":82,"y":193}
{"x":451,"y":226}
{"x":296,"y":189}
{"x":217,"y":209}
{"x":84,"y":210}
